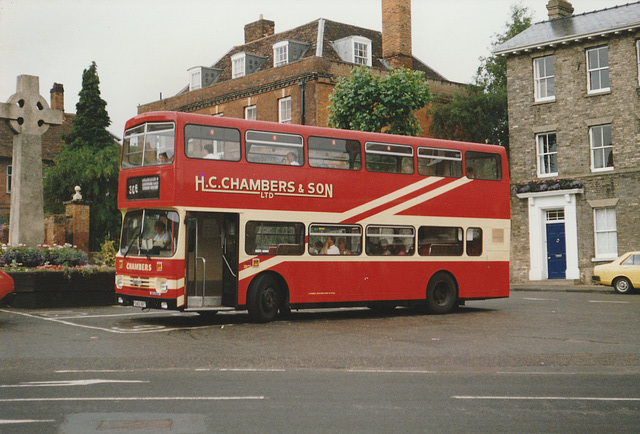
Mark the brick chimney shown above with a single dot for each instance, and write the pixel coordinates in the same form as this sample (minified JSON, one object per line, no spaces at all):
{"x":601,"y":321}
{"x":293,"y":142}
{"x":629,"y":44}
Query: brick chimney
{"x":396,"y":33}
{"x":559,"y":9}
{"x":57,"y":97}
{"x":258,"y":29}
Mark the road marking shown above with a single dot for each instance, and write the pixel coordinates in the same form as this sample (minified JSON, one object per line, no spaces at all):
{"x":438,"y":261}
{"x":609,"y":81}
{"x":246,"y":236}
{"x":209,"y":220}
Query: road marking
{"x":246,"y":370}
{"x":545,"y":398}
{"x":390,"y":371}
{"x":65,"y":383}
{"x":135,"y":329}
{"x":607,"y":301}
{"x":16,"y":421}
{"x":91,"y":371}
{"x":137,"y":398}
{"x":539,"y":299}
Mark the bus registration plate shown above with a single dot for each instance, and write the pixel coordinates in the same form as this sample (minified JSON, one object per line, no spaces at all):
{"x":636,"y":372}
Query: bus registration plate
{"x":139,"y":303}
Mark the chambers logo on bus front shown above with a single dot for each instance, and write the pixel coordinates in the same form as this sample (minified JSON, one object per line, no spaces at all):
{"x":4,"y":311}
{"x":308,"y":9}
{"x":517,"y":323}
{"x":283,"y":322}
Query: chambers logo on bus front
{"x":266,"y":188}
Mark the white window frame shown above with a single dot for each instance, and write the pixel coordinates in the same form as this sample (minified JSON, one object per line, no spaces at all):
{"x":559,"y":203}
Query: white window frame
{"x":359,"y":59}
{"x":238,"y":65}
{"x":284,"y":110}
{"x":280,"y":53}
{"x":544,"y":79}
{"x":251,"y":113}
{"x":9,"y":174}
{"x":545,"y":155}
{"x":607,"y":228}
{"x":195,"y":78}
{"x":600,"y":148}
{"x":600,"y":69}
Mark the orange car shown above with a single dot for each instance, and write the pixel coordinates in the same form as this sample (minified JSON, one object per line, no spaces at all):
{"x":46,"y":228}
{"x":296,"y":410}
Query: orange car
{"x":6,"y":284}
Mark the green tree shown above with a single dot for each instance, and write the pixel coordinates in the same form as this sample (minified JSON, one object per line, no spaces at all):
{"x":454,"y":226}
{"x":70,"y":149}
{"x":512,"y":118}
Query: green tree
{"x":89,"y":158}
{"x":379,"y":103}
{"x":479,"y":114}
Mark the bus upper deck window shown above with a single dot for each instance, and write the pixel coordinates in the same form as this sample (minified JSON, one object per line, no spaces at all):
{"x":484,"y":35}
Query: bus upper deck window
{"x":327,"y":152}
{"x":212,"y":143}
{"x":274,"y":148}
{"x":388,"y":158}
{"x":149,"y":144}
{"x":483,"y":165}
{"x":440,"y":162}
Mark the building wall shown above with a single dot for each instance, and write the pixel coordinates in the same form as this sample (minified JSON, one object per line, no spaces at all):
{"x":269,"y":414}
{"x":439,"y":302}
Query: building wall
{"x":570,"y":116}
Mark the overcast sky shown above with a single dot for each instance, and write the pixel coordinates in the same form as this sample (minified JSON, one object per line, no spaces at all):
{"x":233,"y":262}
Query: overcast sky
{"x":144,"y":47}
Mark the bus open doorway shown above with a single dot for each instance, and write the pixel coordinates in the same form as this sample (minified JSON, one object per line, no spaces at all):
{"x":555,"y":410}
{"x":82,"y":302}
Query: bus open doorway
{"x":211,"y":260}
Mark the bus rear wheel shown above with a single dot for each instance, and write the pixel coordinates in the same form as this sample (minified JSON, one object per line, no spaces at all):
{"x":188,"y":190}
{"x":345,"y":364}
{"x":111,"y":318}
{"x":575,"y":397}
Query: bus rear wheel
{"x":264,"y":299}
{"x":442,"y":294}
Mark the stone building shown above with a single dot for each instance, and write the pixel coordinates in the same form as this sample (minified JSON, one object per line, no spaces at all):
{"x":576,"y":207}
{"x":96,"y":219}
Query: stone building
{"x":574,"y":109}
{"x":51,"y":146}
{"x":288,"y":76}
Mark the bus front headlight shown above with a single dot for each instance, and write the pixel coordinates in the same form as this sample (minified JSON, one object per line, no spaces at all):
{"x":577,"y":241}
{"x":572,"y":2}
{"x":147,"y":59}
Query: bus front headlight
{"x":119,"y":282}
{"x":162,"y":286}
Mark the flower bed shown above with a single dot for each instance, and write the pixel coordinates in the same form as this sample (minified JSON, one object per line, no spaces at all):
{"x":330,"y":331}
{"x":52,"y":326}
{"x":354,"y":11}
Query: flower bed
{"x":56,"y":276}
{"x":547,"y":185}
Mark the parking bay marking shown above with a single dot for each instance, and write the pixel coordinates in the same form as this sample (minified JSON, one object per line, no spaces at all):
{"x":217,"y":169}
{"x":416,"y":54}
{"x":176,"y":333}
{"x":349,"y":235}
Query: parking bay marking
{"x":135,"y":329}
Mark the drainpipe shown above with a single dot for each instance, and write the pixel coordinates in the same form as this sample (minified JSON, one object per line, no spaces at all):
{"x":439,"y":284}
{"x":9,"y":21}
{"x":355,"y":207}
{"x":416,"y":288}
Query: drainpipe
{"x":302,"y":85}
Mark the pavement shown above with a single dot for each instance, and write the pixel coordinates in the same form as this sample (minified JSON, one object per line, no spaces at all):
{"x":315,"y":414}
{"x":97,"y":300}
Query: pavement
{"x":559,"y":285}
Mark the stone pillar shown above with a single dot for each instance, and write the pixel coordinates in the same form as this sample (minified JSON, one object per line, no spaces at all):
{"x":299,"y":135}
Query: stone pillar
{"x":29,"y":117}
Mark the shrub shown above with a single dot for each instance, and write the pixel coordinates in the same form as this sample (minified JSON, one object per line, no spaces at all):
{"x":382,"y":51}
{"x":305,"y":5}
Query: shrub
{"x":108,"y":253}
{"x":34,"y":257}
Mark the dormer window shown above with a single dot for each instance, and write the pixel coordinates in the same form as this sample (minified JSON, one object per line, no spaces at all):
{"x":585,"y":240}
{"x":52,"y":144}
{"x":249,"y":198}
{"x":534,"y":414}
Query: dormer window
{"x":200,"y":76}
{"x":195,"y":81}
{"x":280,"y":53}
{"x":354,"y":49}
{"x":361,"y":53}
{"x":238,"y":65}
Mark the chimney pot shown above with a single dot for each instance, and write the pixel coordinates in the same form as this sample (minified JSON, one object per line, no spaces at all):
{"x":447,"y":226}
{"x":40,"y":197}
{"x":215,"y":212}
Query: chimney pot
{"x":559,"y":9}
{"x":258,"y":29}
{"x":57,"y":97}
{"x":396,"y":33}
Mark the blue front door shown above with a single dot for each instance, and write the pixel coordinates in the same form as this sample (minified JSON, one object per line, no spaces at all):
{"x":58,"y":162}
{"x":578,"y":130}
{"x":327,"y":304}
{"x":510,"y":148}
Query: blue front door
{"x":556,"y":251}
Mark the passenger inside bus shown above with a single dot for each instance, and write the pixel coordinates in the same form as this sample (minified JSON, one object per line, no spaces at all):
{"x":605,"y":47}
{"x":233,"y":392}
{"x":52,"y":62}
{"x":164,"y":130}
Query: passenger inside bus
{"x":291,"y":159}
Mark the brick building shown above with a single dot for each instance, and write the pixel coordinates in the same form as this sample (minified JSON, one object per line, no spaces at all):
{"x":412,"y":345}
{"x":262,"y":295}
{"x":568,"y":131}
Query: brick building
{"x":51,"y":146}
{"x":574,"y":109}
{"x":288,"y":76}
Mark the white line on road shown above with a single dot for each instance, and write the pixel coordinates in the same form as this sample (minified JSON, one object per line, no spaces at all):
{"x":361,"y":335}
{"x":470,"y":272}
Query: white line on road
{"x":16,"y":421}
{"x":137,"y":398}
{"x":140,"y":329}
{"x":539,"y":299}
{"x":389,"y":371}
{"x":608,"y":301}
{"x":546,"y":398}
{"x":69,"y":383}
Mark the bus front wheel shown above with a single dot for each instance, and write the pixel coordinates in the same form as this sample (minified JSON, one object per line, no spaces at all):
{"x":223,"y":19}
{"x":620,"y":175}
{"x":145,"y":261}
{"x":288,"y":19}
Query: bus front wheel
{"x":263,"y":299}
{"x":442,"y":294}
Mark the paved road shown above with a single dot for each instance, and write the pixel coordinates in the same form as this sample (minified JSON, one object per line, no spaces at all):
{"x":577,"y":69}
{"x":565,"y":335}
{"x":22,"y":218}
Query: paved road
{"x":539,"y":361}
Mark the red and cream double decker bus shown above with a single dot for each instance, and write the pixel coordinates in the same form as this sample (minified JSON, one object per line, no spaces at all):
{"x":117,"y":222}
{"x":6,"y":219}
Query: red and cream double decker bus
{"x":222,"y":213}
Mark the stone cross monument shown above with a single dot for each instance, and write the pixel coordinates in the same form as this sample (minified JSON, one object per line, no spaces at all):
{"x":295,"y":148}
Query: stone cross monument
{"x":29,"y":117}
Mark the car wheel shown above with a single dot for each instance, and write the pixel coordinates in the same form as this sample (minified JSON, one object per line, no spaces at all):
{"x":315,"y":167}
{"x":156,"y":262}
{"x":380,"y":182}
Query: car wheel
{"x":622,"y":285}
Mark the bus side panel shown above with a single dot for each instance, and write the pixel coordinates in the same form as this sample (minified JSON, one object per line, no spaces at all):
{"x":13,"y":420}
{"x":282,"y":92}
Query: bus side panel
{"x":338,"y":282}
